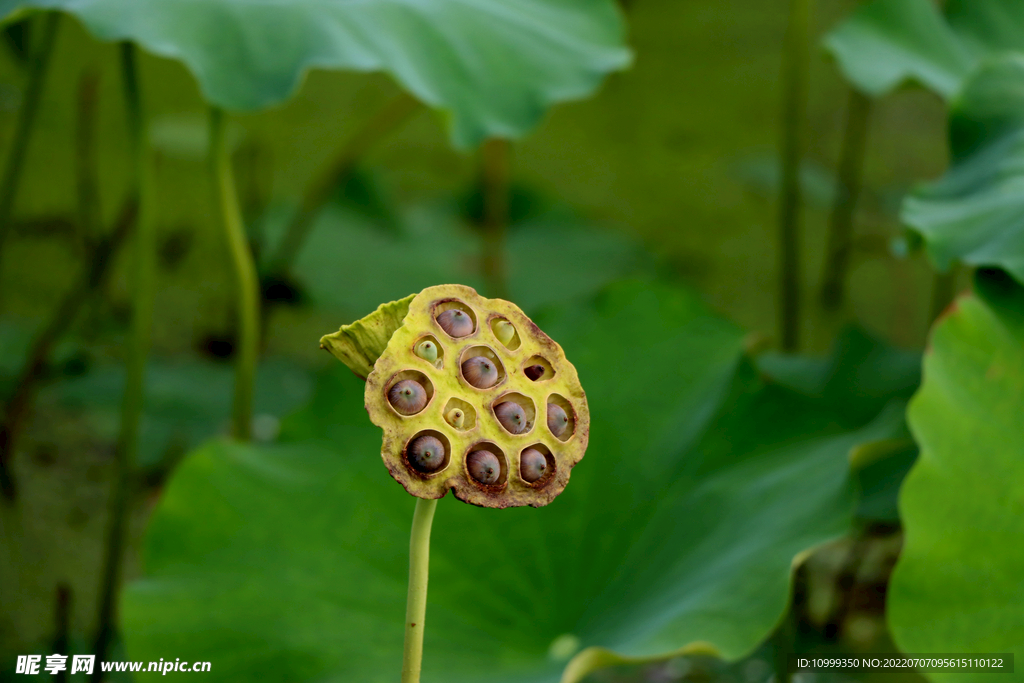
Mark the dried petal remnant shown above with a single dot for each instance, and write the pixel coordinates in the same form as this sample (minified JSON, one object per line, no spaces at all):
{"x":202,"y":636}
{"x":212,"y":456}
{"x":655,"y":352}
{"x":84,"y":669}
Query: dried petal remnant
{"x":511,"y":416}
{"x":408,"y":397}
{"x":480,"y":372}
{"x":558,"y":421}
{"x":426,"y":454}
{"x":532,"y":465}
{"x":483,"y":466}
{"x":455,"y":322}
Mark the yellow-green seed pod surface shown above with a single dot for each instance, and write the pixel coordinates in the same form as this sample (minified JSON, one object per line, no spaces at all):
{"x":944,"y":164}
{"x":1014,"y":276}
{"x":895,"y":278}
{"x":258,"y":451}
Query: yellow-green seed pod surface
{"x":484,"y":427}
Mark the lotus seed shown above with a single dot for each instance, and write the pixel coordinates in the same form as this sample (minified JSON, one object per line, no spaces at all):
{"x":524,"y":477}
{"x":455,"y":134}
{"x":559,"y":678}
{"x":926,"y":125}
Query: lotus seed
{"x":532,"y":465}
{"x":483,"y":466}
{"x":504,"y":331}
{"x":558,"y":421}
{"x":480,"y":372}
{"x":408,"y":397}
{"x":426,"y":454}
{"x":455,"y":322}
{"x":534,"y":372}
{"x":511,"y":416}
{"x":456,"y":418}
{"x":427,"y":350}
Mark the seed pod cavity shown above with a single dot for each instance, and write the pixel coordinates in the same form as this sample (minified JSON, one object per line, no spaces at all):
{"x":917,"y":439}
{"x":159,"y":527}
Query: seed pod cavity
{"x":486,"y":465}
{"x":511,"y":416}
{"x":429,"y":350}
{"x":481,"y":368}
{"x":409,"y":392}
{"x":460,"y":414}
{"x":428,"y":452}
{"x":456,"y":418}
{"x":561,"y":419}
{"x":538,"y":369}
{"x":515,"y":412}
{"x":457,"y":320}
{"x":536,"y":465}
{"x":506,"y":333}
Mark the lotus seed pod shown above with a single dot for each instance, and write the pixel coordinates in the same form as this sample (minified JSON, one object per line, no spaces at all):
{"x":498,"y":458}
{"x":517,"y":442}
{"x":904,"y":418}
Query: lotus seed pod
{"x":532,"y":465}
{"x":465,"y":403}
{"x":426,"y":453}
{"x":484,"y":467}
{"x":558,"y":421}
{"x":481,"y":372}
{"x":408,"y":396}
{"x":511,"y":416}
{"x":534,"y":372}
{"x":455,"y":322}
{"x":427,"y":350}
{"x":456,"y":418}
{"x":504,"y":331}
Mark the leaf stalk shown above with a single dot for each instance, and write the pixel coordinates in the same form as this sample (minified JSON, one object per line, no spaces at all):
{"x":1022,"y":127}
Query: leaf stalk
{"x":26,"y":122}
{"x":245,"y":277}
{"x":794,"y":78}
{"x":144,"y":285}
{"x":416,"y":603}
{"x":384,"y":122}
{"x":848,"y":189}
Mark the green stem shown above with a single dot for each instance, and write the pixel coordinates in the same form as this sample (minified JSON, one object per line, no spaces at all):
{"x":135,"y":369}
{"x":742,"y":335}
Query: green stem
{"x":143,"y":287}
{"x":416,"y":604}
{"x":25,"y":122}
{"x":848,"y":189}
{"x":495,"y":169}
{"x":387,"y":120}
{"x":245,"y":275}
{"x":794,"y":76}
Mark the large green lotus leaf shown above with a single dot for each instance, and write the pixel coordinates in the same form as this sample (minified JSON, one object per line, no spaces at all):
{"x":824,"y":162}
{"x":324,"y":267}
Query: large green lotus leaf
{"x":886,"y":43}
{"x":186,"y":402}
{"x":862,"y":376}
{"x":975,"y":213}
{"x":494,"y":65}
{"x":880,"y":468}
{"x":554,"y":258}
{"x":351,"y":263}
{"x":677,"y":532}
{"x":959,"y":583}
